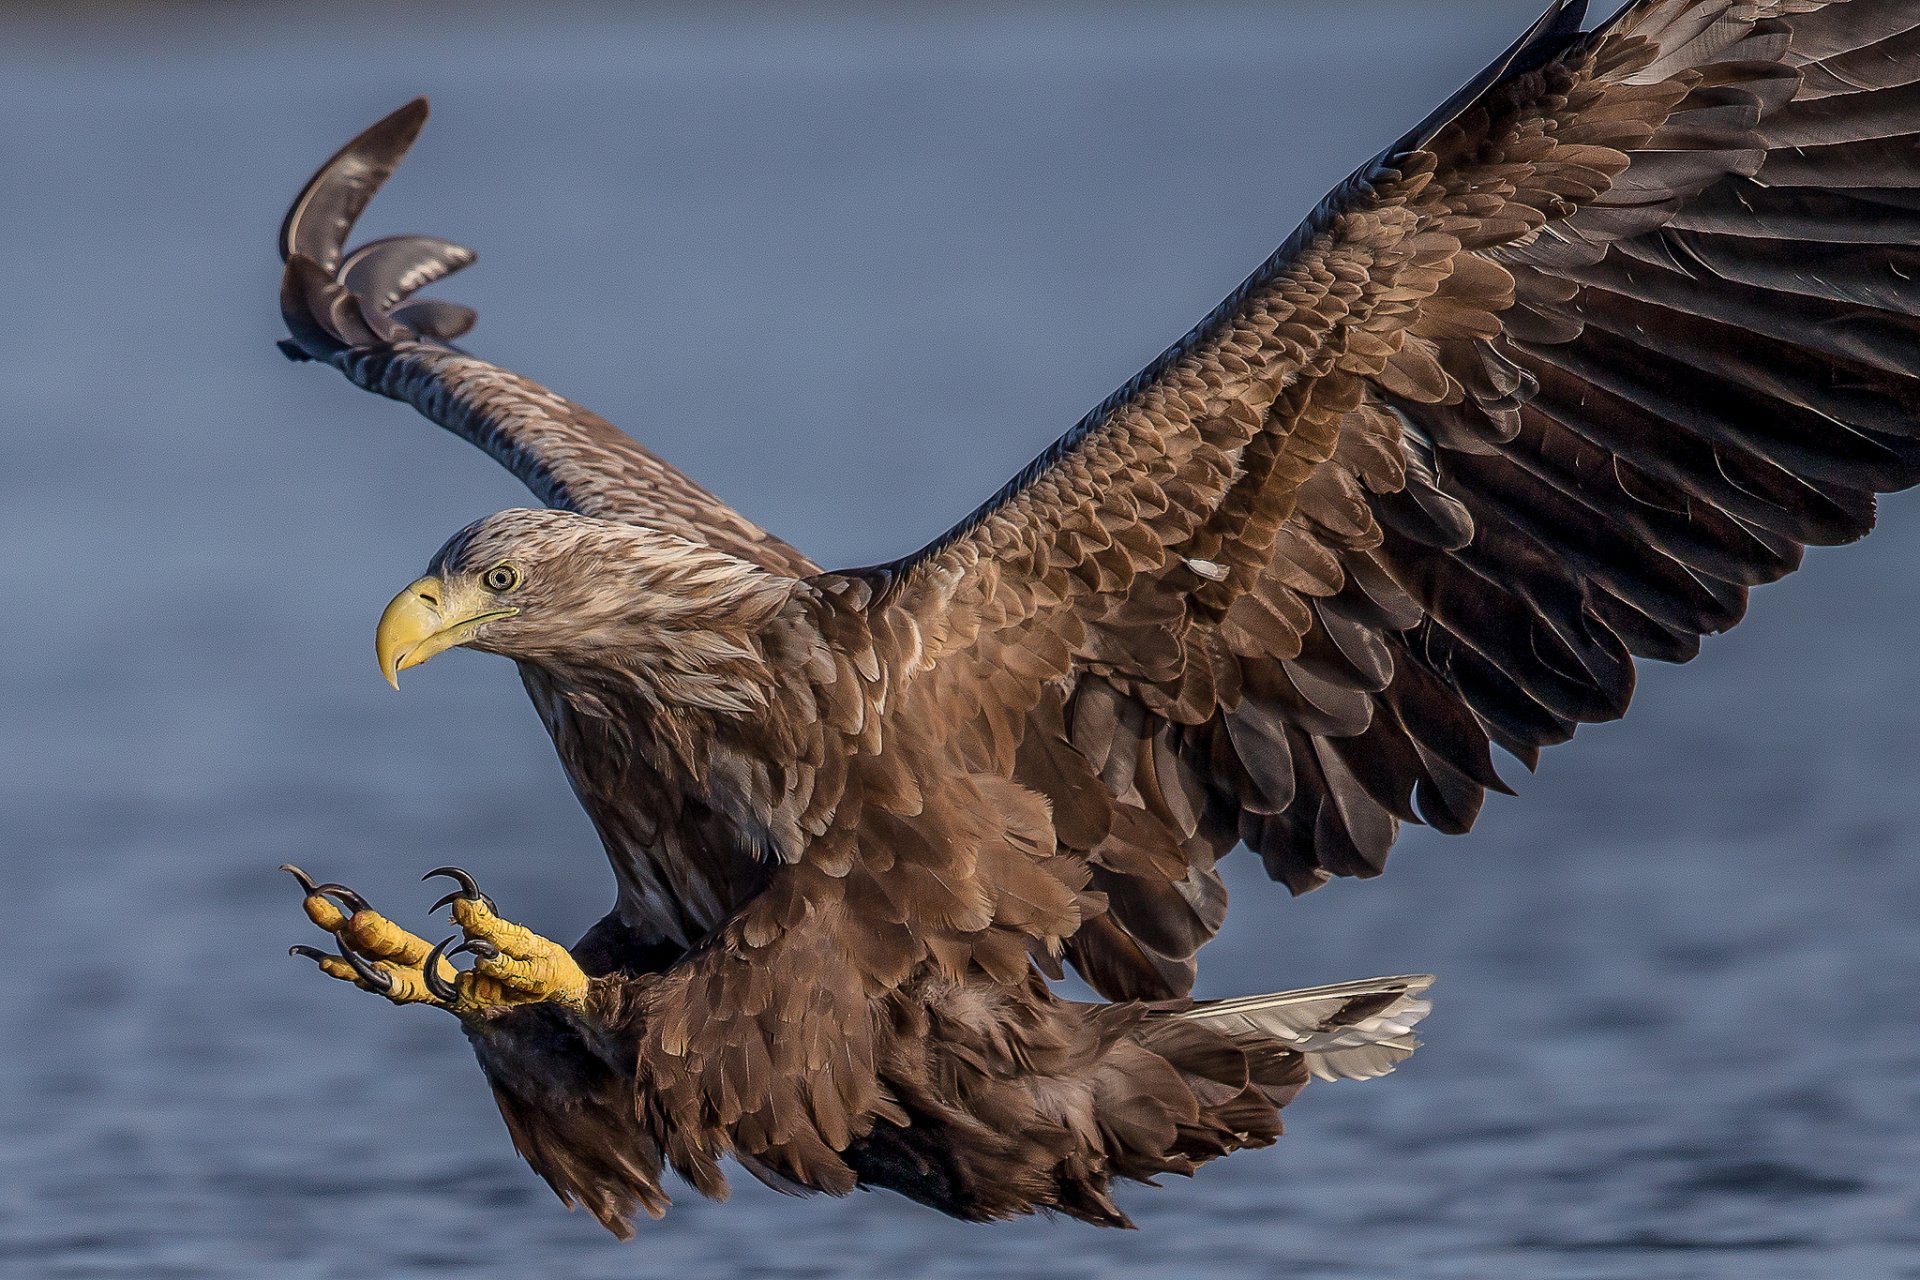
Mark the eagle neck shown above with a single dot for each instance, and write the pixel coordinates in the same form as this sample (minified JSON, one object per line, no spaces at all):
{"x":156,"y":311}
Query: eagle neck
{"x":686,"y":797}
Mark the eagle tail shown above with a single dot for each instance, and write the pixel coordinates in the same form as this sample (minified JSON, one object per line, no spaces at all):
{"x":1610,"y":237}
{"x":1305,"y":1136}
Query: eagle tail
{"x":1349,"y":1031}
{"x":1225,"y":1070}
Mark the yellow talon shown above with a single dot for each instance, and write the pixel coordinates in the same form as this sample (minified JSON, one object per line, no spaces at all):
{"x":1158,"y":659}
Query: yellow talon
{"x":372,"y":934}
{"x":323,"y":912}
{"x":512,"y":964}
{"x":332,"y":966}
{"x":375,"y":953}
{"x":517,"y":964}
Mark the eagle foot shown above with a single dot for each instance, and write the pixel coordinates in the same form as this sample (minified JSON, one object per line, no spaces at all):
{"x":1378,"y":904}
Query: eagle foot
{"x":372,"y":952}
{"x":512,"y":965}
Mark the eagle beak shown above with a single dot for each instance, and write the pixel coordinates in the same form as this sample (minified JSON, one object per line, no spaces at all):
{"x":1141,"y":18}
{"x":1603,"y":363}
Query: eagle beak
{"x":429,"y":617}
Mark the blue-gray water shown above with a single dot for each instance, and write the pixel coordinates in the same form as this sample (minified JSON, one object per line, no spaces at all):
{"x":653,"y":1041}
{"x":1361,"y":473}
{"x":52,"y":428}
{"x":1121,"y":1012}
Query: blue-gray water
{"x":852,"y":269}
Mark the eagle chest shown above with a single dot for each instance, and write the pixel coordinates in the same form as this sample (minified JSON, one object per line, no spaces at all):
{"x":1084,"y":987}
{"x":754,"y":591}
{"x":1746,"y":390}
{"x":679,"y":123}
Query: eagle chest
{"x":681,"y":863}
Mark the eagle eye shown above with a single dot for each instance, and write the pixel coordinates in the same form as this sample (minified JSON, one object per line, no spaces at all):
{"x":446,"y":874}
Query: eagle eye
{"x":502,"y":577}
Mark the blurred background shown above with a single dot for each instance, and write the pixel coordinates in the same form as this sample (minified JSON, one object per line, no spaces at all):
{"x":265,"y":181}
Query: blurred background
{"x":850,"y":265}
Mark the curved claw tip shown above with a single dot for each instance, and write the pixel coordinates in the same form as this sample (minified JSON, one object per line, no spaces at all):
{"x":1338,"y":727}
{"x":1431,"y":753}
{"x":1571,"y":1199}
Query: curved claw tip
{"x":481,"y":948}
{"x":314,"y":954}
{"x":346,"y":897}
{"x":378,"y":979}
{"x":442,"y":990}
{"x":469,"y":887}
{"x":463,"y":877}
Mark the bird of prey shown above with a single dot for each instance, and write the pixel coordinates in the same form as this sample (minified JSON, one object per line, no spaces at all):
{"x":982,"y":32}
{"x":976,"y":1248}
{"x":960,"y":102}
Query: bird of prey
{"x":1544,"y":387}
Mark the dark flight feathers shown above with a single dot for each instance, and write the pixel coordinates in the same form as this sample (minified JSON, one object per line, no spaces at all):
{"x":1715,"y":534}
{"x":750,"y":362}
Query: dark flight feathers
{"x":357,"y":312}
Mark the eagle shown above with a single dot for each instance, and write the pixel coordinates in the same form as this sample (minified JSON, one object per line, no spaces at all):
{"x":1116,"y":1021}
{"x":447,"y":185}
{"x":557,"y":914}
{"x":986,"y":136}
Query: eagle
{"x":1543,"y":388}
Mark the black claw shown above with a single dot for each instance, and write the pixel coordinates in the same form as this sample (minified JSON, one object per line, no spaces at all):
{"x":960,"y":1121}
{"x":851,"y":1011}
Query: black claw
{"x":375,"y":978}
{"x":479,"y":948}
{"x":466,"y":881}
{"x":469,"y":887}
{"x":314,"y":954}
{"x":345,"y":896}
{"x":430,"y":970}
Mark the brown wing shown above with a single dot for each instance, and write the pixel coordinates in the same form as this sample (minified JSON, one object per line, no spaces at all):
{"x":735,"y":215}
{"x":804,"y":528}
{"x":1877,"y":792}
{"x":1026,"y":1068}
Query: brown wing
{"x":1547,"y":386}
{"x":357,"y":312}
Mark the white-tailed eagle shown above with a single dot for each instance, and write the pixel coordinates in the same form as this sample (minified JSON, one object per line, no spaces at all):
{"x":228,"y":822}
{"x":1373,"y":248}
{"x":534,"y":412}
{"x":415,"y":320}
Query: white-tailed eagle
{"x":1545,"y":387}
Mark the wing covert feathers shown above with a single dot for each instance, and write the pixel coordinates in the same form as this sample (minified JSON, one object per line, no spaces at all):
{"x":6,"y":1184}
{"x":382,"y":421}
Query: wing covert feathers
{"x":357,"y":311}
{"x":1546,"y":388}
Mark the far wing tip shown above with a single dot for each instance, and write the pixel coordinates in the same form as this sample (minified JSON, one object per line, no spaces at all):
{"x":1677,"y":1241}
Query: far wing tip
{"x":322,"y":215}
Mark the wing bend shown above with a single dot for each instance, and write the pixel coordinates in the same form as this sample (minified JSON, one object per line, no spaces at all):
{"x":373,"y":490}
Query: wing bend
{"x":357,"y":311}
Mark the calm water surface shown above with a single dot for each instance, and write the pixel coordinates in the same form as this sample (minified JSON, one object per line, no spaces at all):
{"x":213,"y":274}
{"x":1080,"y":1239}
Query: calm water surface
{"x":852,"y":270}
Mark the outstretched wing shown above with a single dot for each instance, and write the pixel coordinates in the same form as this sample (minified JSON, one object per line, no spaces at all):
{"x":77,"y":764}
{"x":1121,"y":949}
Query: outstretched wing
{"x":1545,"y":387}
{"x":357,"y":312}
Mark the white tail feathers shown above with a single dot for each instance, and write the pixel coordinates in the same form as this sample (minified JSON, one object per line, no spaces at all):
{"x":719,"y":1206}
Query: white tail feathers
{"x":1350,"y":1031}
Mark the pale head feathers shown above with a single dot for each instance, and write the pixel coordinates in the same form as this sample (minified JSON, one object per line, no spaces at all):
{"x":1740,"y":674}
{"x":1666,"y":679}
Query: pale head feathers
{"x":674,"y":620}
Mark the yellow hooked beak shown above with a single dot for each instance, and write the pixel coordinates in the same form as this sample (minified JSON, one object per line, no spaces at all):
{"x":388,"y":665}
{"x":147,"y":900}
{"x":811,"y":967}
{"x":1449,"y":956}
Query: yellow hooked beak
{"x":429,"y":617}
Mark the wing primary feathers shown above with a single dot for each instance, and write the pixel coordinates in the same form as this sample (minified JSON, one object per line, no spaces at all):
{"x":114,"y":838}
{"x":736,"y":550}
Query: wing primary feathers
{"x":359,"y":312}
{"x":356,"y":299}
{"x":437,"y":318}
{"x":389,"y":271}
{"x":1546,"y":39}
{"x":322,"y":215}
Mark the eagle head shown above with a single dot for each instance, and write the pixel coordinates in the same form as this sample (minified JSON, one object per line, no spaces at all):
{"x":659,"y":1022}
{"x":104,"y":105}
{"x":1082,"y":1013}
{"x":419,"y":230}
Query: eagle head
{"x":576,"y":594}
